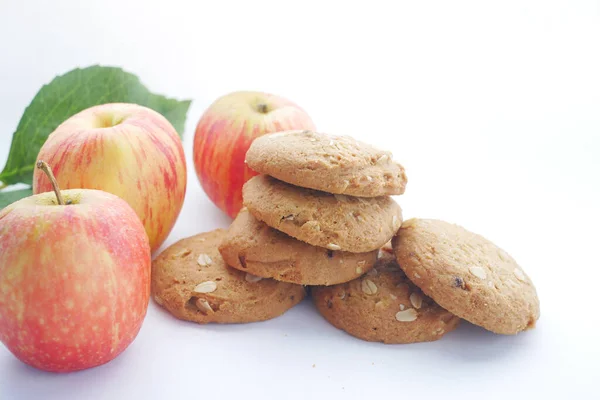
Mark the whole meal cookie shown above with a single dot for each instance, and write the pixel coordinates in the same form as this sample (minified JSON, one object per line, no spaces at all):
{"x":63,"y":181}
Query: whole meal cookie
{"x":252,"y":246}
{"x":468,"y":275}
{"x":384,"y":306}
{"x":192,"y":282}
{"x":334,"y":164}
{"x":336,"y":222}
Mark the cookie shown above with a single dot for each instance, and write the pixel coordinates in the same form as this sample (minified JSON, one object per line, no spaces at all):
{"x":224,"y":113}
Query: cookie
{"x":334,"y":164}
{"x":252,"y":246}
{"x":192,"y":282}
{"x":468,"y":275}
{"x":384,"y":306}
{"x":336,"y":222}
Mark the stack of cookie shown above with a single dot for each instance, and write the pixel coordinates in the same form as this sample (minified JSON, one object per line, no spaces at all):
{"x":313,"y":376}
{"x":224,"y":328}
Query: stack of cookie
{"x":320,"y":211}
{"x":320,"y":214}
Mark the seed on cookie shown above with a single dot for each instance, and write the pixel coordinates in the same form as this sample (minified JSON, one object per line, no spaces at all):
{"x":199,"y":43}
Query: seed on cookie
{"x":478,"y":272}
{"x":519,"y":274}
{"x":204,"y":260}
{"x":368,"y":286}
{"x":333,"y":246}
{"x":341,"y":197}
{"x":416,"y":300}
{"x":182,"y":253}
{"x":205,"y":287}
{"x":359,"y":270}
{"x":383,"y":159}
{"x":203,"y":306}
{"x":407,"y":315}
{"x":252,"y":278}
{"x":403,"y":287}
{"x":402,"y":307}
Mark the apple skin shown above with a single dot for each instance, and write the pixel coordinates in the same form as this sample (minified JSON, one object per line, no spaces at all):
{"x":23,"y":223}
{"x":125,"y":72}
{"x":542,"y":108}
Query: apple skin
{"x":224,"y":134}
{"x":74,"y":279}
{"x":124,"y":149}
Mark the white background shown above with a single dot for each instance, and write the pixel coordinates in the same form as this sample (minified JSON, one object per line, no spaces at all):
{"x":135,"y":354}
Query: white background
{"x":493,"y":108}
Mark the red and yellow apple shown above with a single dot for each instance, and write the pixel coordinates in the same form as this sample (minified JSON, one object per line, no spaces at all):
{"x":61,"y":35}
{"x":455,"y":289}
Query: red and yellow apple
{"x":224,"y":134}
{"x":74,"y":279}
{"x":124,"y":149}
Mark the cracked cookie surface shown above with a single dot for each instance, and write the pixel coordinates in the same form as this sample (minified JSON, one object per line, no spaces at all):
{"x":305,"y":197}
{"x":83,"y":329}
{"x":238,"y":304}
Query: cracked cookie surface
{"x":334,"y":164}
{"x":468,"y":275}
{"x":192,"y":282}
{"x":335,"y":222}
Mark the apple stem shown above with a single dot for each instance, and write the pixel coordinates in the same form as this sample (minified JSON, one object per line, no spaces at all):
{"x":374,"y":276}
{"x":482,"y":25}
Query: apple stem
{"x":43,"y":165}
{"x":262,"y":108}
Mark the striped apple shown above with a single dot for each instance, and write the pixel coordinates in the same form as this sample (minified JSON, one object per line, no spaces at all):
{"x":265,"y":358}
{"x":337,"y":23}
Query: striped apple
{"x":124,"y":149}
{"x":74,"y":278}
{"x":224,"y":134}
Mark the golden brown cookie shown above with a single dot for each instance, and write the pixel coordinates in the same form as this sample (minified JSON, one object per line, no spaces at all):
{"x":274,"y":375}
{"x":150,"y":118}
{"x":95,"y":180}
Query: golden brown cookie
{"x":252,"y":246}
{"x":336,"y":222}
{"x":468,"y":275}
{"x":334,"y":164}
{"x":384,"y":306}
{"x":192,"y":282}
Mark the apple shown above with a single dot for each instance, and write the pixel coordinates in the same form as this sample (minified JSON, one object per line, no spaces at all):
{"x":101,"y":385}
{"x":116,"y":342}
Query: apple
{"x":74,"y":278}
{"x":224,"y":134}
{"x":124,"y":149}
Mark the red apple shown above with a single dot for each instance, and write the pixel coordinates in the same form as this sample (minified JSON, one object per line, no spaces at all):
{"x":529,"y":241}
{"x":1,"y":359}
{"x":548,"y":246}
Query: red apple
{"x":74,"y":279}
{"x":224,"y":134}
{"x":124,"y":149}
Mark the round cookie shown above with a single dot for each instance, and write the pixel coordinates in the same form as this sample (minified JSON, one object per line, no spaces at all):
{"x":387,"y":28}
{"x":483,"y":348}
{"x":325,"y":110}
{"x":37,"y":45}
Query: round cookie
{"x":252,"y":246}
{"x":384,"y":306}
{"x":334,"y":164}
{"x":468,"y":275}
{"x":192,"y":282}
{"x":336,"y":222}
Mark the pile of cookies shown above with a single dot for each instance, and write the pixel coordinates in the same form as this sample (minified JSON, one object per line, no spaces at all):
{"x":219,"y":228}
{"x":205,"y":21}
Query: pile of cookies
{"x":321,"y":216}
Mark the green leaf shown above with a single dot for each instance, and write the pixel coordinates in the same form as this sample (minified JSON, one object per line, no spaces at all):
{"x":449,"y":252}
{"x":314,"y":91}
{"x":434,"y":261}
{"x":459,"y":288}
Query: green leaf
{"x":9,"y":197}
{"x":69,"y":94}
